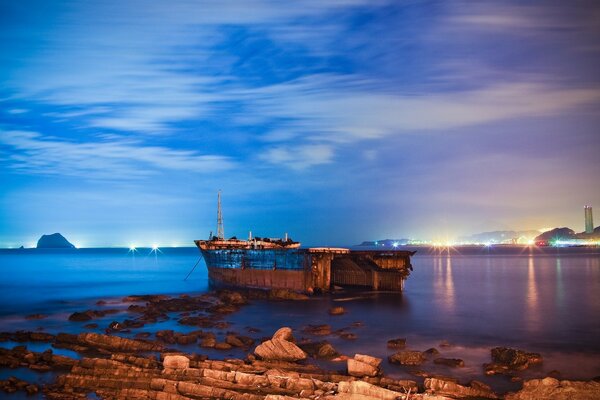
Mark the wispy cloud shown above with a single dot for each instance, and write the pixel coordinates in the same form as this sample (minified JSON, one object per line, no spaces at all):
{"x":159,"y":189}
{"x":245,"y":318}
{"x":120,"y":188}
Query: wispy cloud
{"x":114,"y":160}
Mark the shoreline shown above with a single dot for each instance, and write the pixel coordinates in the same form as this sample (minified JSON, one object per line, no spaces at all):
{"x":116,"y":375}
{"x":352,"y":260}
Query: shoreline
{"x":204,"y":326}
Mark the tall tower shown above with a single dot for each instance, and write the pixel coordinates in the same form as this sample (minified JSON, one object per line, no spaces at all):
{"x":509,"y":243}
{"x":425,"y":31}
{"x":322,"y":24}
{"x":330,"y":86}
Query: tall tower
{"x":220,"y":230}
{"x":589,"y":220}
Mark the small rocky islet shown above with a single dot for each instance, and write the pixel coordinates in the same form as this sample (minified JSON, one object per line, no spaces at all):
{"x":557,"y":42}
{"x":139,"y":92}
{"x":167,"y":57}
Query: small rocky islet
{"x":275,"y":367}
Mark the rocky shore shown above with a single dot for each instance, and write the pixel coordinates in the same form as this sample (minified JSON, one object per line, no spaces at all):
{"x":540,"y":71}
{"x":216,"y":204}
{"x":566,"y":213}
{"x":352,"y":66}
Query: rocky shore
{"x":279,"y":366}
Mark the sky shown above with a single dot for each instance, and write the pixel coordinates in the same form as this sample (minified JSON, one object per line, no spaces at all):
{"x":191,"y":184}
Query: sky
{"x":334,"y":121}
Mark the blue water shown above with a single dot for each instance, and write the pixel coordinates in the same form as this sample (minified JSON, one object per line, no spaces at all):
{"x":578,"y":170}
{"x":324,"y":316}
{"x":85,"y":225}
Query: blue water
{"x":544,"y":300}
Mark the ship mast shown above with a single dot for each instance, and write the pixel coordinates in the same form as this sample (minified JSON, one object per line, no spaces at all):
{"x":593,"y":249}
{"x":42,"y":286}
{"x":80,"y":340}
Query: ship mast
{"x":220,"y":230}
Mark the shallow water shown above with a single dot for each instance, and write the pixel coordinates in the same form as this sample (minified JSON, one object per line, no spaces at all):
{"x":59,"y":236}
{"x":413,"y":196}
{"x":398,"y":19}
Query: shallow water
{"x":546,"y":301}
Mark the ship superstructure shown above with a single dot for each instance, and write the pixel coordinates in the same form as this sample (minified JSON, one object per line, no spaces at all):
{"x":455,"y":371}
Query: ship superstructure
{"x":280,"y":263}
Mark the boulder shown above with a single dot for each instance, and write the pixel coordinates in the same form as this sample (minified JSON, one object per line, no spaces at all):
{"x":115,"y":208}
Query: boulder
{"x":407,"y":358}
{"x":362,"y":365}
{"x":553,"y":389}
{"x":514,"y":359}
{"x":279,"y":349}
{"x":284,"y":333}
{"x":176,"y":362}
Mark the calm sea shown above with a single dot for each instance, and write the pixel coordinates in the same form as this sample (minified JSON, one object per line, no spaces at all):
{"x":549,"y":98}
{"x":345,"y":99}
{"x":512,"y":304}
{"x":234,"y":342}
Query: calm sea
{"x":546,"y":301}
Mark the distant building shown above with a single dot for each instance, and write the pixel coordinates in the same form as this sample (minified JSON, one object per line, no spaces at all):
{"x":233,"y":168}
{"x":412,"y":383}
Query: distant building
{"x":589,"y":220}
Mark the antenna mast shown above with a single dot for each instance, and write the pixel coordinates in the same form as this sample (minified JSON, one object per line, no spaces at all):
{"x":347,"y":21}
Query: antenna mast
{"x":220,"y":230}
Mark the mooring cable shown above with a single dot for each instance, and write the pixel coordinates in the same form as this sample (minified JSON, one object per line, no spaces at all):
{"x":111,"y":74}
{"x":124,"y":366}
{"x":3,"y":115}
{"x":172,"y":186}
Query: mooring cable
{"x":195,"y":265}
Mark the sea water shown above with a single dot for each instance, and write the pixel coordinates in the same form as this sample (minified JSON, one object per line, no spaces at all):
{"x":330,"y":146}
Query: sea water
{"x":545,"y":300}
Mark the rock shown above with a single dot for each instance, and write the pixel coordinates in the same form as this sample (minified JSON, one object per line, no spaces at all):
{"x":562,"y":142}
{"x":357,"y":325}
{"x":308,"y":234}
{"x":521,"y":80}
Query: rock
{"x":398,"y":343}
{"x":230,"y":297}
{"x":114,"y":326}
{"x":285,"y":294}
{"x":54,"y":241}
{"x":318,"y":330}
{"x":337,"y":310}
{"x":279,"y":349}
{"x":362,"y":365}
{"x":431,"y":352}
{"x":452,"y":389}
{"x":208,"y":342}
{"x":36,"y":316}
{"x":348,"y":336}
{"x":176,"y":362}
{"x":514,"y":359}
{"x":238,"y":340}
{"x":407,"y":358}
{"x":80,"y":316}
{"x":553,"y":389}
{"x":445,"y":343}
{"x":90,"y":326}
{"x":450,"y":362}
{"x":284,"y":333}
{"x":320,"y":350}
{"x":186,"y":339}
{"x":115,"y":343}
{"x":367,"y":391}
{"x":223,"y":346}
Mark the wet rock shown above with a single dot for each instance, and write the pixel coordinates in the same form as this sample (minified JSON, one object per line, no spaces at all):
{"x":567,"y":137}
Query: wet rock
{"x":363,"y":365}
{"x":176,"y":362}
{"x":445,"y":343}
{"x":186,"y":339}
{"x":337,"y":310}
{"x":115,"y":343}
{"x":407,"y":358}
{"x":231,"y":297}
{"x":398,"y":343}
{"x":114,"y":326}
{"x":452,"y":389}
{"x":208,"y":342}
{"x":80,"y":316}
{"x":36,"y":316}
{"x":284,"y":294}
{"x":238,"y":340}
{"x":318,"y":330}
{"x":348,"y":336}
{"x":320,"y":350}
{"x":553,"y":389}
{"x":450,"y":362}
{"x":431,"y":352}
{"x":223,"y":346}
{"x":514,"y":359}
{"x":91,"y":326}
{"x":203,"y":322}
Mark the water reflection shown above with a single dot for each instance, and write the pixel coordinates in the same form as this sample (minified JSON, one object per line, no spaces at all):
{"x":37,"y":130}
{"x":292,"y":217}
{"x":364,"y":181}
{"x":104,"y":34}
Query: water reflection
{"x":450,"y":298}
{"x":532,"y":317}
{"x":443,"y":284}
{"x":560,"y":290}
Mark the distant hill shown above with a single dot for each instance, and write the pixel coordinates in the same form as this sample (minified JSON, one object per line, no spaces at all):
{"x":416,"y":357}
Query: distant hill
{"x":384,"y":243}
{"x":54,"y":241}
{"x":497,"y":236}
{"x":556,"y":233}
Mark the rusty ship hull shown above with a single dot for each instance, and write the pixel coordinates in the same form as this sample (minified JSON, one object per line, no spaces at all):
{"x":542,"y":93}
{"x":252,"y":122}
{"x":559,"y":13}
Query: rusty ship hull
{"x":284,"y":265}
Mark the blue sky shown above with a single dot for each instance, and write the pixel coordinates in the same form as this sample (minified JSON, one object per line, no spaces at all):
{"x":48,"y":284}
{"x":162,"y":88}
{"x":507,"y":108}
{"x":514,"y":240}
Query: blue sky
{"x":336,"y":121}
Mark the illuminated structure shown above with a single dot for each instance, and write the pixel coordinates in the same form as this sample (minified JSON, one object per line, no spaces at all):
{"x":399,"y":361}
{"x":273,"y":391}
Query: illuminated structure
{"x":589,"y":220}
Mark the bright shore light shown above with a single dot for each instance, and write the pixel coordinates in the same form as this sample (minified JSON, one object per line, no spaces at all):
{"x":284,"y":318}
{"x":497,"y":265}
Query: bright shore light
{"x":154,"y":247}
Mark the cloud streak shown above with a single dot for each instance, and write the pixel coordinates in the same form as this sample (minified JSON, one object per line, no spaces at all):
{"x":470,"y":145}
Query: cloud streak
{"x":123,"y":159}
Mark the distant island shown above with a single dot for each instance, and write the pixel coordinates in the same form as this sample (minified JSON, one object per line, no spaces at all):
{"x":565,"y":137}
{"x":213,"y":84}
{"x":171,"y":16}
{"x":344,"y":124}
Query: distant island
{"x":54,"y":241}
